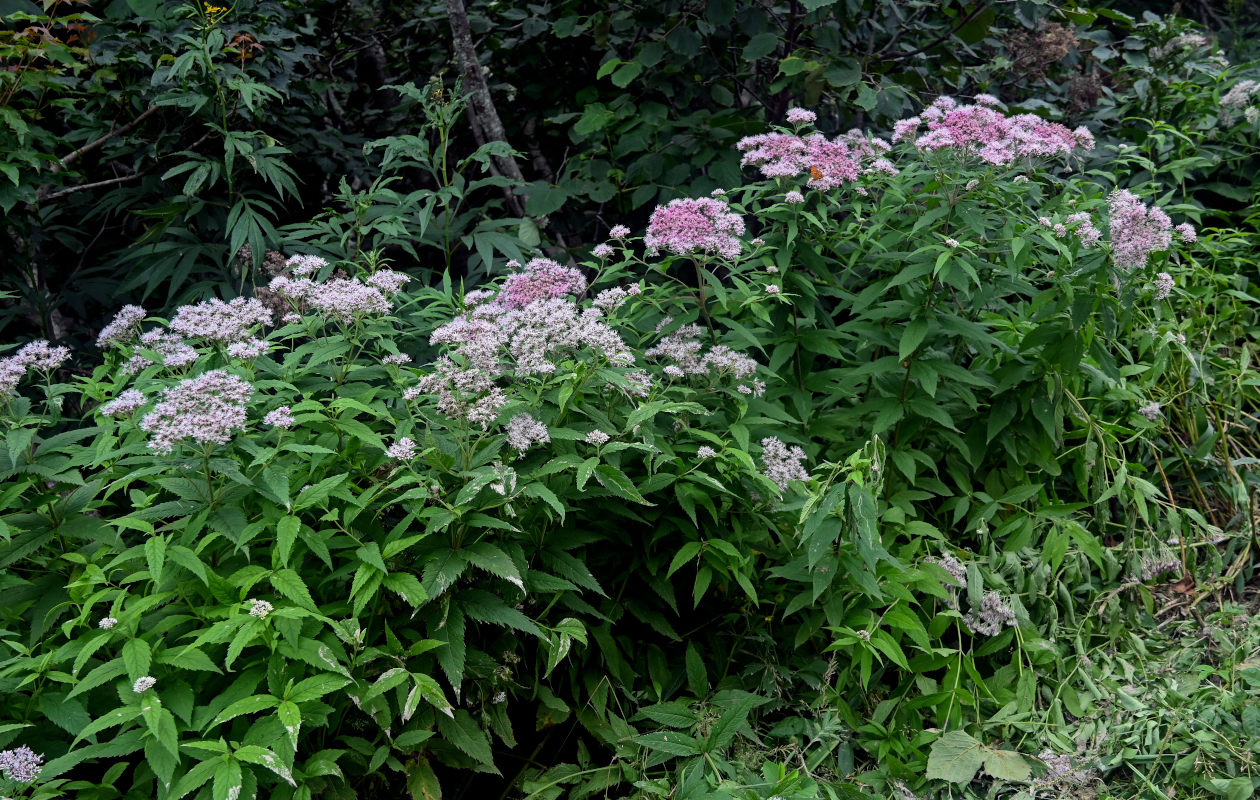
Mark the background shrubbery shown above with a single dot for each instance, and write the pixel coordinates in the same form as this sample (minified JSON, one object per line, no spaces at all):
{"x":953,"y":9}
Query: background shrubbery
{"x":677,"y":446}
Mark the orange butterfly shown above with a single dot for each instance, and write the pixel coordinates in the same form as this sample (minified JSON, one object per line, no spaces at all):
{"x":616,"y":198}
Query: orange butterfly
{"x":815,"y":173}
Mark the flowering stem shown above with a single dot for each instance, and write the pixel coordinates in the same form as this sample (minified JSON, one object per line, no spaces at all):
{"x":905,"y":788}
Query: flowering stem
{"x":704,"y":307}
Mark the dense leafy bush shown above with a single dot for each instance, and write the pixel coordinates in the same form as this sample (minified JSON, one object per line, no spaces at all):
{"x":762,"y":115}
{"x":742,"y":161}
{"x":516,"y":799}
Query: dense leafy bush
{"x":288,"y":561}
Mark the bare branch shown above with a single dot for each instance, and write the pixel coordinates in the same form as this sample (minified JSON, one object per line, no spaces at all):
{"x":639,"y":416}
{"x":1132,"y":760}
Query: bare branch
{"x":96,"y":185}
{"x":70,"y":158}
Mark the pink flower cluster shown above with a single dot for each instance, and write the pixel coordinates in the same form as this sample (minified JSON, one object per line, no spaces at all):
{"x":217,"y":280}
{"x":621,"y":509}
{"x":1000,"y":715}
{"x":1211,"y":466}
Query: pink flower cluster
{"x":123,"y":328}
{"x":343,"y":299}
{"x":124,"y":404}
{"x":1138,"y":230}
{"x":830,"y":163}
{"x":206,"y":409}
{"x":1080,"y":224}
{"x":523,"y":432}
{"x":387,"y":280}
{"x":304,"y":265}
{"x":781,"y":463}
{"x":611,"y":299}
{"x":541,"y":279}
{"x":21,"y":764}
{"x":220,"y":322}
{"x":689,"y":226}
{"x":1164,"y":284}
{"x":175,"y":352}
{"x":281,"y":417}
{"x":402,"y":450}
{"x":38,"y":355}
{"x":989,"y":134}
{"x":525,"y":330}
{"x":686,"y":356}
{"x":801,"y":116}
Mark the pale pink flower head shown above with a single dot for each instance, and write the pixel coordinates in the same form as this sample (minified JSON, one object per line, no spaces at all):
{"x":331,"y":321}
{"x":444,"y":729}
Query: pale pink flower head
{"x":402,"y":450}
{"x":904,"y":129}
{"x":801,"y":116}
{"x":281,"y":417}
{"x":347,"y":299}
{"x":387,"y":280}
{"x":830,"y":163}
{"x":692,"y":226}
{"x":248,"y":349}
{"x":794,"y":197}
{"x":541,"y":279}
{"x":781,"y":463}
{"x":1164,"y":284}
{"x":1186,"y":233}
{"x":220,"y":322}
{"x":123,"y":328}
{"x":21,"y":764}
{"x":305,"y":265}
{"x":40,"y":355}
{"x":984,"y":131}
{"x":987,"y":100}
{"x":597,"y":437}
{"x":618,"y":232}
{"x":1136,"y":230}
{"x":206,"y":409}
{"x":523,"y":431}
{"x":36,"y":355}
{"x":776,"y":155}
{"x":602,"y":251}
{"x":124,"y":404}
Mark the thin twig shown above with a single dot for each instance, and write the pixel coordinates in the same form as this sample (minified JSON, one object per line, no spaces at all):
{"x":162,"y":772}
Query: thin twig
{"x":96,"y":185}
{"x":940,"y":39}
{"x":70,"y":158}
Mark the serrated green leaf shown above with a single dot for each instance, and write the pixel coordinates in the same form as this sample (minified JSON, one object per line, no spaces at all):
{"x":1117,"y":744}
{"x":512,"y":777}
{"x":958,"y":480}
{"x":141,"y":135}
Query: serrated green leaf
{"x":677,"y":744}
{"x":246,"y":705}
{"x":288,"y":583}
{"x":290,"y":717}
{"x":616,"y":481}
{"x":155,"y":555}
{"x":1006,"y":765}
{"x":955,"y":757}
{"x":463,"y":731}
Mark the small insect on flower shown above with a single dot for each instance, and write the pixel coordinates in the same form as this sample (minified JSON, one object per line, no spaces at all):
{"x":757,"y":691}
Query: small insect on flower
{"x":144,"y":684}
{"x":815,"y":173}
